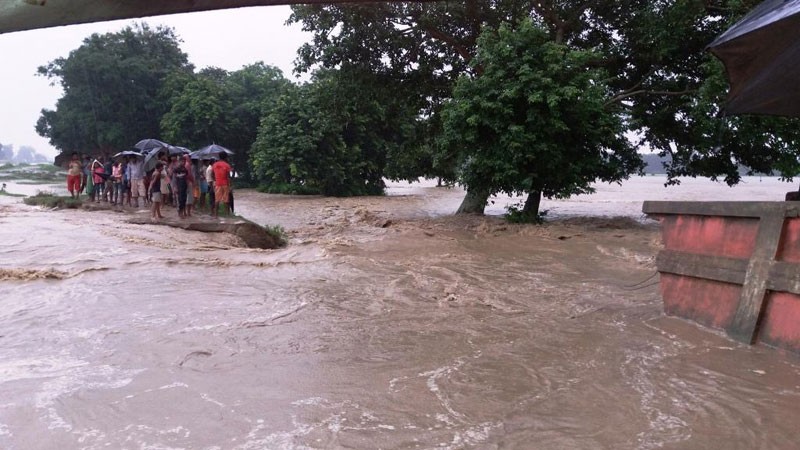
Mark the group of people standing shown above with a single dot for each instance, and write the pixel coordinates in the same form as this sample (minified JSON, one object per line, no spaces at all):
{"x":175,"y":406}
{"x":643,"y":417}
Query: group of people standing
{"x":176,"y":180}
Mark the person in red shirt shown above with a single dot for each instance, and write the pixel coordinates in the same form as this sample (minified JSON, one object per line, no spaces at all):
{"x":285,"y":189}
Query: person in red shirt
{"x":222,"y":183}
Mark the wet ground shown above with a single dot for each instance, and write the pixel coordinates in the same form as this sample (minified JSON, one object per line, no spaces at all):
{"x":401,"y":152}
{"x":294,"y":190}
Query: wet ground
{"x":385,"y":323}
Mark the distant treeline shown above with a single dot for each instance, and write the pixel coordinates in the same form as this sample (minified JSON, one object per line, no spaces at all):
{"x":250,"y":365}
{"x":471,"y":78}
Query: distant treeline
{"x":25,"y":155}
{"x":656,"y":165}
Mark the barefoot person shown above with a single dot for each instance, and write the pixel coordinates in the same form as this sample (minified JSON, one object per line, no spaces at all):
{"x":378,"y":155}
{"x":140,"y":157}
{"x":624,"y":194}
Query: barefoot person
{"x":191,"y":182}
{"x":155,"y":191}
{"x":138,"y":189}
{"x":222,"y":183}
{"x":210,"y":182}
{"x":179,"y":175}
{"x":74,"y":176}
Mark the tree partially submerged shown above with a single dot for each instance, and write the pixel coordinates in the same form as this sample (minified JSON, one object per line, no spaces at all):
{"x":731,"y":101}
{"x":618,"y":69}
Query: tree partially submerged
{"x":536,"y":121}
{"x":662,"y":83}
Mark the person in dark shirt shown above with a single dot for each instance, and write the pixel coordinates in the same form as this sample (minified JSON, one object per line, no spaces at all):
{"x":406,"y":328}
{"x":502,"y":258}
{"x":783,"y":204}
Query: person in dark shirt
{"x":180,"y":176}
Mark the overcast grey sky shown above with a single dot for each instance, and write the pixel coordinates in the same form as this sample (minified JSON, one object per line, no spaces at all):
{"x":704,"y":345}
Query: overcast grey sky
{"x":228,"y":39}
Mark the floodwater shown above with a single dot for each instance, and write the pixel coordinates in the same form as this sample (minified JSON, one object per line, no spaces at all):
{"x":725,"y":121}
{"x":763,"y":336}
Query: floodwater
{"x":385,"y":323}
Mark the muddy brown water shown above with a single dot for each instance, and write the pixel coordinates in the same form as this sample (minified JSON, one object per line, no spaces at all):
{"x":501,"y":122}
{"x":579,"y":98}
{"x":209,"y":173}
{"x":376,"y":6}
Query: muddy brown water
{"x":385,"y":324}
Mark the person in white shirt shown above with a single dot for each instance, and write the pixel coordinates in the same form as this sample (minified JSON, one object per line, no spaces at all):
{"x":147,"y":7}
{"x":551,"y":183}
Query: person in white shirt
{"x":210,"y":181}
{"x":137,"y":180}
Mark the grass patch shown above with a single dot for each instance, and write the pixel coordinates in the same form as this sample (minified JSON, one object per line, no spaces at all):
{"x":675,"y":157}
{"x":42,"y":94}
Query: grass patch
{"x":278,"y":233}
{"x":50,"y":200}
{"x":515,"y":214}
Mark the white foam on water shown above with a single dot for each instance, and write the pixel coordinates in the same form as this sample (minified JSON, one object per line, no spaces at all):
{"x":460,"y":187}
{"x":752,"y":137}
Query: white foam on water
{"x":433,"y":386}
{"x":279,"y":441}
{"x":32,"y":368}
{"x":472,"y":436}
{"x":393,"y":383}
{"x":207,"y":398}
{"x":663,"y":428}
{"x":224,"y":325}
{"x":310,"y":401}
{"x":72,"y":380}
{"x":176,"y":384}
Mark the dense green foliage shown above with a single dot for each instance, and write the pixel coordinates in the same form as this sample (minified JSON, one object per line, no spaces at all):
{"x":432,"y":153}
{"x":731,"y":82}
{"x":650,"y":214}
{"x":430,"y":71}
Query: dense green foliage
{"x":661,"y":82}
{"x":112,"y":85}
{"x":706,"y":143}
{"x":333,"y":136}
{"x":535,"y":121}
{"x":214,"y":106}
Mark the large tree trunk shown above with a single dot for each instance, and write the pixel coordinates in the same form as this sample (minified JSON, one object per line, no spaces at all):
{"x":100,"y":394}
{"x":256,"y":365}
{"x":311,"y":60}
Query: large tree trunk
{"x":531,"y":208}
{"x":474,"y":202}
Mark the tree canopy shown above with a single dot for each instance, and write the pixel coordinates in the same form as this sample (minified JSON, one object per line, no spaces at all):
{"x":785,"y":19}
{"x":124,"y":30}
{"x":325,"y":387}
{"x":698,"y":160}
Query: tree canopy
{"x":215,"y":106}
{"x":660,"y":81}
{"x":334,"y":135}
{"x":112,"y":85}
{"x":536,"y":120}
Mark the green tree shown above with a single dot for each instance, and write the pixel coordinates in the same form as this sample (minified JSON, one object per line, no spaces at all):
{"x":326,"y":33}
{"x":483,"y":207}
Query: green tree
{"x":111,"y":89}
{"x":253,"y":90}
{"x":705,"y":143}
{"x":215,"y":106}
{"x":653,"y":52}
{"x":199,"y":111}
{"x":536,"y":120}
{"x":334,"y":135}
{"x":424,"y":47}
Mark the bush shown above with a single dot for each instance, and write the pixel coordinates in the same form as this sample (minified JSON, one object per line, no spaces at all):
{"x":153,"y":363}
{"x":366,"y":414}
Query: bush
{"x":277,"y":232}
{"x":50,"y":200}
{"x":515,"y":214}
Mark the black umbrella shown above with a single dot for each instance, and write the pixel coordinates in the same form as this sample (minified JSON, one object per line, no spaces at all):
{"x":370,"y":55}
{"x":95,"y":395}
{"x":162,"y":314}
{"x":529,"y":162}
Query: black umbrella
{"x":127,"y":153}
{"x":175,"y":150}
{"x":151,"y":159}
{"x":210,"y":151}
{"x":145,"y":145}
{"x":761,"y":54}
